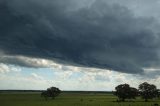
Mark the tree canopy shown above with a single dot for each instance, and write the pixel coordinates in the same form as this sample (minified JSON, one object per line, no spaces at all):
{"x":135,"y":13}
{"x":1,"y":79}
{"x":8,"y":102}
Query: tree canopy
{"x":145,"y":90}
{"x":124,"y":91}
{"x":51,"y":92}
{"x":148,"y":91}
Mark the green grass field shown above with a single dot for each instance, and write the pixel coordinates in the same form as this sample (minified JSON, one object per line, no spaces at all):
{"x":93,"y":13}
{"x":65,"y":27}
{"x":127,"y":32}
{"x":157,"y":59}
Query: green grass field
{"x":68,"y":99}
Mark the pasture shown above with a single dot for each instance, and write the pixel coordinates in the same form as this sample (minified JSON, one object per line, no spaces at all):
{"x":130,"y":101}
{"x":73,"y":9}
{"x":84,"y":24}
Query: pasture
{"x":69,"y":99}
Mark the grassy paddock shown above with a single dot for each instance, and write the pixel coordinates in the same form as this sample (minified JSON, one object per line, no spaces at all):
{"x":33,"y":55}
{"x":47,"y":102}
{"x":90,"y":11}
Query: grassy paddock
{"x":68,"y":99}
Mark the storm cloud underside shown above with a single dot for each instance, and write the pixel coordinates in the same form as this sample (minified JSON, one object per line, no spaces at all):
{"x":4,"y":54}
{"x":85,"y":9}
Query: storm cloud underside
{"x":98,"y":34}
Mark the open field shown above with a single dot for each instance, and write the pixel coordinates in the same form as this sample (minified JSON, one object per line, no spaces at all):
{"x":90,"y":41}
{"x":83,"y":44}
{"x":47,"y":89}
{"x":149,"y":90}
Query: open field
{"x":68,"y":99}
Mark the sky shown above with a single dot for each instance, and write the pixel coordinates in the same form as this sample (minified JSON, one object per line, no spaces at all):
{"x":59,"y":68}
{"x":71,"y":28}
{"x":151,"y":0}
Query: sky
{"x":91,"y":45}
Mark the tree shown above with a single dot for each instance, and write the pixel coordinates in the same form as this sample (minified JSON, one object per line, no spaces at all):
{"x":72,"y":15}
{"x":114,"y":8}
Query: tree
{"x":148,"y":91}
{"x":51,"y":92}
{"x":158,"y":93}
{"x":45,"y":94}
{"x":133,"y":93}
{"x":124,"y":91}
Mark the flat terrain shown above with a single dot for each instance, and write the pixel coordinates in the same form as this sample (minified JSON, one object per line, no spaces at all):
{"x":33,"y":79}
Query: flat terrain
{"x":68,"y":99}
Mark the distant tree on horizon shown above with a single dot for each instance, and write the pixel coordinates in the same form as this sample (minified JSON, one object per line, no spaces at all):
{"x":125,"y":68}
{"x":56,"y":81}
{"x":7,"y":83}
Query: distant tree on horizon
{"x":51,"y":92}
{"x":148,"y":91}
{"x":124,"y":91}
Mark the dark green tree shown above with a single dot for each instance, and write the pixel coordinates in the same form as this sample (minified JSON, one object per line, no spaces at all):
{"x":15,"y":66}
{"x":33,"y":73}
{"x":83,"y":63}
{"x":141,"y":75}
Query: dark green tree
{"x":133,"y":93}
{"x":45,"y":94}
{"x":124,"y":91}
{"x":158,"y":93}
{"x":148,"y":91}
{"x":51,"y":92}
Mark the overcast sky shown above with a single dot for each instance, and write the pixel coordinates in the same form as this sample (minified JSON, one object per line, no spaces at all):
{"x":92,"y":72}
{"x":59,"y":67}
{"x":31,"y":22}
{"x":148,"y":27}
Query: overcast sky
{"x":79,"y":44}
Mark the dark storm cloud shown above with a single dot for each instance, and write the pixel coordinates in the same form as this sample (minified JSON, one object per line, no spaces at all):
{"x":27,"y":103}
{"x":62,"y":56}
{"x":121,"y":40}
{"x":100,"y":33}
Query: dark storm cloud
{"x":100,"y":35}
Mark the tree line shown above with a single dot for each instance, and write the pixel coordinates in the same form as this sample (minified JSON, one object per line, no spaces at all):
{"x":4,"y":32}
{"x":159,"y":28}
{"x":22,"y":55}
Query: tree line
{"x":123,"y":91}
{"x":145,"y":90}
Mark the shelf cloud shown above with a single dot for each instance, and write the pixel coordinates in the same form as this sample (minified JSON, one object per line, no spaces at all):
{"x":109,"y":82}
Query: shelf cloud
{"x":92,"y":34}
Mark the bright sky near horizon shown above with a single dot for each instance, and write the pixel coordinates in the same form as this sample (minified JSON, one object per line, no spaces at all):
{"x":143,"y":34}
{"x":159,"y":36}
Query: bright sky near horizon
{"x":79,"y":44}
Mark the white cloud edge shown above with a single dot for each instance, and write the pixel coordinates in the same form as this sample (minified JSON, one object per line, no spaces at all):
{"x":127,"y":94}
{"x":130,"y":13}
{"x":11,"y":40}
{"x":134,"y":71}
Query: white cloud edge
{"x":88,"y":81}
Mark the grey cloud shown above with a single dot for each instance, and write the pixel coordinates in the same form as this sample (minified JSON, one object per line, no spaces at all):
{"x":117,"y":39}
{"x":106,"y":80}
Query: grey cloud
{"x":25,"y":61}
{"x":98,"y":35}
{"x":140,"y":7}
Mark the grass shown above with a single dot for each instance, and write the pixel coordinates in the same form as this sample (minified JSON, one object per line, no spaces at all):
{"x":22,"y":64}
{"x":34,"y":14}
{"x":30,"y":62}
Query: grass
{"x":68,"y":99}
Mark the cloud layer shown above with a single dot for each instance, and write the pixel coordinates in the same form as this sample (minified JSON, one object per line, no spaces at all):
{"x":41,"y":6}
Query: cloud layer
{"x":97,"y":34}
{"x":70,"y":80}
